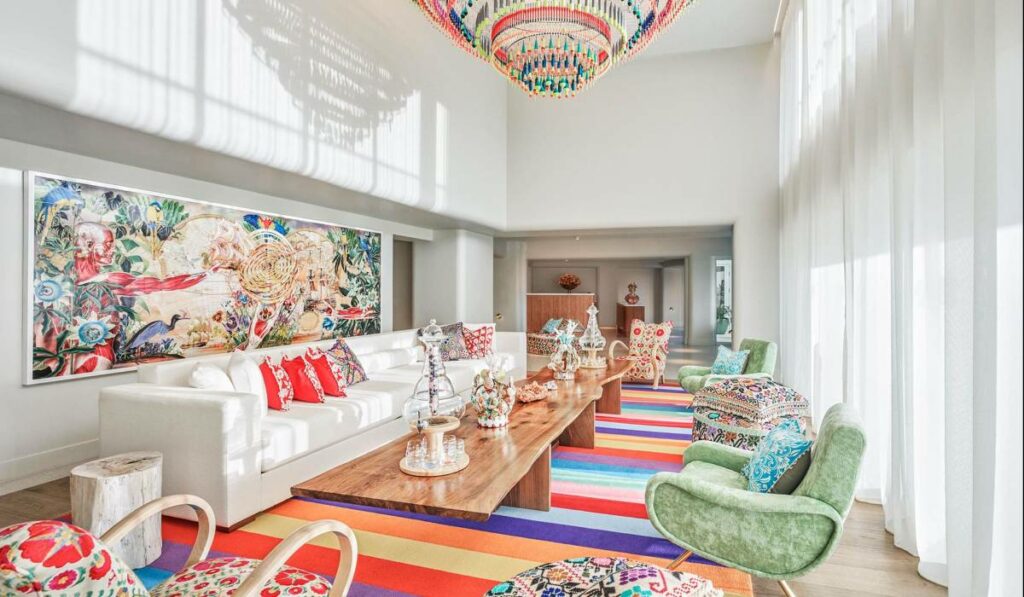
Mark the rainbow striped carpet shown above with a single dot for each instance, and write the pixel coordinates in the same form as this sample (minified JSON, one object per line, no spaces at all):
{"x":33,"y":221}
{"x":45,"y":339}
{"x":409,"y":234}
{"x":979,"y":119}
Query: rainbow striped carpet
{"x":597,"y":509}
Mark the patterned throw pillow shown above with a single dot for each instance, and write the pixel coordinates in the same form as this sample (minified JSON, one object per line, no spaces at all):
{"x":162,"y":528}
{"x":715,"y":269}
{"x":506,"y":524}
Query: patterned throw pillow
{"x":279,"y":388}
{"x":305,"y":382}
{"x":330,"y":374}
{"x":342,"y":355}
{"x":453,"y":348}
{"x":479,"y":342}
{"x":729,"y":362}
{"x":780,"y":461}
{"x":551,"y":327}
{"x":49,"y":557}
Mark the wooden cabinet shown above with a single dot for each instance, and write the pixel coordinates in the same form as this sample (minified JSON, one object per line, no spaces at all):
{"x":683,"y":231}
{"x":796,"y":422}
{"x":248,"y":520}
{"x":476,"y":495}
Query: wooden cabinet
{"x":625,"y":314}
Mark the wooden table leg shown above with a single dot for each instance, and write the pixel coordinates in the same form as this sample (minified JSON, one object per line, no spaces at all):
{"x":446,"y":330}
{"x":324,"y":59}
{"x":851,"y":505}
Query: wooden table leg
{"x":580,"y":433}
{"x":611,"y":398}
{"x":534,"y":490}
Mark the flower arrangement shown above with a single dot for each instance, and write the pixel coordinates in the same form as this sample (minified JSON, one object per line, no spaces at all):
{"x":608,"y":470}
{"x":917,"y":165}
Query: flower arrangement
{"x":569,"y":281}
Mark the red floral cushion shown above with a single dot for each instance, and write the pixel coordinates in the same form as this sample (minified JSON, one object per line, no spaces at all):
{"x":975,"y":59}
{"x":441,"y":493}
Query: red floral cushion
{"x":479,"y":342}
{"x":279,"y":388}
{"x":219,"y":577}
{"x":49,"y":557}
{"x":330,"y":374}
{"x":304,"y":380}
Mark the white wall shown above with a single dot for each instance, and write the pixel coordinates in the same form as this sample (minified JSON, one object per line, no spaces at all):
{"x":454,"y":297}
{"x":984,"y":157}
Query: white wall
{"x":678,"y":140}
{"x":454,"y":278}
{"x":510,"y":284}
{"x":46,"y":428}
{"x":363,"y":95}
{"x":648,"y":247}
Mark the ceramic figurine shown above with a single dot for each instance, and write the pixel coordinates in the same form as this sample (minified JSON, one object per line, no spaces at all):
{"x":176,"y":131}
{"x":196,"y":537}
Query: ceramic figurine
{"x":493,"y":398}
{"x":632,"y":298}
{"x":565,"y":360}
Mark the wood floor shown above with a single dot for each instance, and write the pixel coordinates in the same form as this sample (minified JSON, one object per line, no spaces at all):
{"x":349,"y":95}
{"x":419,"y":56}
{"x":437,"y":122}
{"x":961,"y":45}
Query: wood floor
{"x":866,"y":562}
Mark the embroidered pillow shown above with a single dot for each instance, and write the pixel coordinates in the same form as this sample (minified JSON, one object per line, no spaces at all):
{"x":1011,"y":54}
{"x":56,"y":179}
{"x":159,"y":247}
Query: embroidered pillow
{"x":305,"y":383}
{"x":330,"y":374}
{"x":208,"y":377}
{"x":246,"y":377}
{"x":479,"y":342}
{"x":551,"y":327}
{"x":352,"y":370}
{"x":49,"y":557}
{"x":279,"y":388}
{"x":729,"y":362}
{"x":780,"y":461}
{"x":453,"y":348}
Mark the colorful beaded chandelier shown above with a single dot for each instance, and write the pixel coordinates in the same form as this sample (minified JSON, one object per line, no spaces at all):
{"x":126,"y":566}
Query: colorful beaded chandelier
{"x":553,"y":48}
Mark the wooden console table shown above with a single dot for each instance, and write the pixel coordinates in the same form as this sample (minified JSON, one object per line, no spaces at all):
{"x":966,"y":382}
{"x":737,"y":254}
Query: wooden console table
{"x":624,"y":316}
{"x":510,"y":465}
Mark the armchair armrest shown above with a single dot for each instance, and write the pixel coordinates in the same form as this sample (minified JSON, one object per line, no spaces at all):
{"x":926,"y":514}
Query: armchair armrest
{"x":743,"y":500}
{"x":713,"y":453}
{"x":347,"y":545}
{"x":693,"y":371}
{"x":210,"y":442}
{"x":204,"y":514}
{"x":613,"y":346}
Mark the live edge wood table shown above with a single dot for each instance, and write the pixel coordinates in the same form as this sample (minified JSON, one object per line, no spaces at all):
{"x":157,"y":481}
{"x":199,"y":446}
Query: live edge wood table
{"x":510,"y":465}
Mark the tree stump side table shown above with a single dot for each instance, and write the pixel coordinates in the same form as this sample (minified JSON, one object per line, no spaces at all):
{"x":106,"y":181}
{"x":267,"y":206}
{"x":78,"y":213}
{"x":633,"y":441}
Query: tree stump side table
{"x":104,"y":491}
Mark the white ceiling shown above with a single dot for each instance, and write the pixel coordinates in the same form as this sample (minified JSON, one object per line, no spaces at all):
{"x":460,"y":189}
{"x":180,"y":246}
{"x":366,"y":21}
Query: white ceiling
{"x":711,"y":24}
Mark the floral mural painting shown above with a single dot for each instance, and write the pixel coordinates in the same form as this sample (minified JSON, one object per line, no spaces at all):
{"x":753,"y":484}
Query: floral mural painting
{"x":122,"y":277}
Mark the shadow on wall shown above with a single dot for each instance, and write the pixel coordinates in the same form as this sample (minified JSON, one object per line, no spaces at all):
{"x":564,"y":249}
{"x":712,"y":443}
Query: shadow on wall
{"x":303,"y":86}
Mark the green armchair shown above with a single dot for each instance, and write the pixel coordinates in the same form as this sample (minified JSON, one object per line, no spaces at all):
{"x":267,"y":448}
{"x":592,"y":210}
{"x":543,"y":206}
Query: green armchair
{"x":707,"y":509}
{"x":760,"y":363}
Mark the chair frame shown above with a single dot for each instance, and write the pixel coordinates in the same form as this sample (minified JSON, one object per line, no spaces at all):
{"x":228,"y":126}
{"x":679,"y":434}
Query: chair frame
{"x":659,"y":368}
{"x":268,"y":566}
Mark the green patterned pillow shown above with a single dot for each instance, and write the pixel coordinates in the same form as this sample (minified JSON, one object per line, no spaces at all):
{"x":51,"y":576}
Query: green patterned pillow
{"x":729,"y":362}
{"x":780,"y":461}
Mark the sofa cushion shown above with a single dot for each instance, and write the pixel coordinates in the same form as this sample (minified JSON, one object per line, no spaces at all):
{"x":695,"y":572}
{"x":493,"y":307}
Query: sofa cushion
{"x":383,"y":360}
{"x":460,"y":372}
{"x":246,"y":377}
{"x":330,"y":374}
{"x":208,"y":377}
{"x":305,"y":383}
{"x":306,"y":427}
{"x":342,"y":354}
{"x":279,"y":388}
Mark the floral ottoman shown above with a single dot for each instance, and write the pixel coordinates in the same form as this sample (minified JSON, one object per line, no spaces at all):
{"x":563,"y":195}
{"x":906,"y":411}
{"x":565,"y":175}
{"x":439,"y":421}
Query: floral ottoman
{"x":602,"y":577}
{"x":739,"y":412}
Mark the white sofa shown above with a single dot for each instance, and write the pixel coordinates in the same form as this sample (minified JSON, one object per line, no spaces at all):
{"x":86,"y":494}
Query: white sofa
{"x":220,"y":445}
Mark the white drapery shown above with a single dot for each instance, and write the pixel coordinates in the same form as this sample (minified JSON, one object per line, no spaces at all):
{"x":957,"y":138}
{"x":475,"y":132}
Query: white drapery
{"x":900,"y":168}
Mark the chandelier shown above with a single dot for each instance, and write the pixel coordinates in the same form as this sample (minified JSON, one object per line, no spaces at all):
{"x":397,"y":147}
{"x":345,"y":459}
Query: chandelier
{"x":552,"y":48}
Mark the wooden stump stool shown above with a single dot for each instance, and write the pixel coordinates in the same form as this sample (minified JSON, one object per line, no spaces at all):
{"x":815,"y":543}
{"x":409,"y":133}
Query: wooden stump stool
{"x":106,"y":490}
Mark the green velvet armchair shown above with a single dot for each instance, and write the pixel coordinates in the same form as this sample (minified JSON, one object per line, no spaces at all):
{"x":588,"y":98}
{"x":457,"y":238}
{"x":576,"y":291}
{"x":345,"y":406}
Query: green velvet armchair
{"x":707,"y":510}
{"x":760,"y":363}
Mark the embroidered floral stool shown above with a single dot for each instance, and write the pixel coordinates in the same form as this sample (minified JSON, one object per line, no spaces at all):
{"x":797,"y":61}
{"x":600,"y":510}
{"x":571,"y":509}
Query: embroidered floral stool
{"x":648,"y":349}
{"x":602,"y":577}
{"x":739,"y":412}
{"x":50,"y":557}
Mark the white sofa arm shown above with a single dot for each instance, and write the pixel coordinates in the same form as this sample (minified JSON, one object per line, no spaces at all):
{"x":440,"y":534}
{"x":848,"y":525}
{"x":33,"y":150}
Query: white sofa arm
{"x":210,"y":442}
{"x":513,"y":343}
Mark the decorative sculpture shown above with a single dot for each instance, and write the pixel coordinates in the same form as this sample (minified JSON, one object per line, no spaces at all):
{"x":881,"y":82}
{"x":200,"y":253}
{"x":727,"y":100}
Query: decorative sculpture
{"x":592,"y":342}
{"x":565,"y":360}
{"x":631,"y":297}
{"x":493,"y":397}
{"x":434,"y":408}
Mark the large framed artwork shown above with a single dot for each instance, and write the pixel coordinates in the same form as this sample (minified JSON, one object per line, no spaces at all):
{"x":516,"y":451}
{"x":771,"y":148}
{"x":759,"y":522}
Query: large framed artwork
{"x":117,"y":277}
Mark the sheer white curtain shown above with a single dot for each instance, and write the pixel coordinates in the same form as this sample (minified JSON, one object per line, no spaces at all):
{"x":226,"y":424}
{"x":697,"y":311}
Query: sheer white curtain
{"x":901,"y":262}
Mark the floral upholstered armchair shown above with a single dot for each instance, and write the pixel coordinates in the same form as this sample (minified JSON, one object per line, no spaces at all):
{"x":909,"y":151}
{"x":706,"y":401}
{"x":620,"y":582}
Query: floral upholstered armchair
{"x":648,"y":349}
{"x":50,"y":557}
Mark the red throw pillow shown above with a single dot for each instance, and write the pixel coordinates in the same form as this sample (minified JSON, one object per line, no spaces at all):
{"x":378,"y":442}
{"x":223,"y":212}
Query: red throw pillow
{"x":279,"y":388}
{"x":479,"y":342}
{"x":330,"y":374}
{"x":304,"y":379}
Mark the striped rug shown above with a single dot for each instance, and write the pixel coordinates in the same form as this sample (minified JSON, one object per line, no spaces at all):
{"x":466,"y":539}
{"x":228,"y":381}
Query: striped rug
{"x":597,"y":509}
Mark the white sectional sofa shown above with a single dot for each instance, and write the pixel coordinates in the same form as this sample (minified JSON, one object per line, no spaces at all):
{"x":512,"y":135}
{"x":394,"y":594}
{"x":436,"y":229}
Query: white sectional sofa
{"x":220,"y":445}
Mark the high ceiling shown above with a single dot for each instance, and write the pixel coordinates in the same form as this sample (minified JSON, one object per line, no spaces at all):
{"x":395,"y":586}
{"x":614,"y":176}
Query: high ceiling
{"x":711,"y":24}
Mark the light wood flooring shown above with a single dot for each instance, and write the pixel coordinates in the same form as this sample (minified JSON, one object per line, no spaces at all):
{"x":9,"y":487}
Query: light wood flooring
{"x":866,"y":562}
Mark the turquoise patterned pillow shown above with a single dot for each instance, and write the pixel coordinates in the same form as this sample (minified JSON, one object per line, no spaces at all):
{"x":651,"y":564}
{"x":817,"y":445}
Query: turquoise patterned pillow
{"x":780,"y":460}
{"x":551,"y":327}
{"x":729,"y":362}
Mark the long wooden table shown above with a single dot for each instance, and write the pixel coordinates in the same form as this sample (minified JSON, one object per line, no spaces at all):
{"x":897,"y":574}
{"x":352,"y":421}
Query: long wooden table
{"x":510,"y":466}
